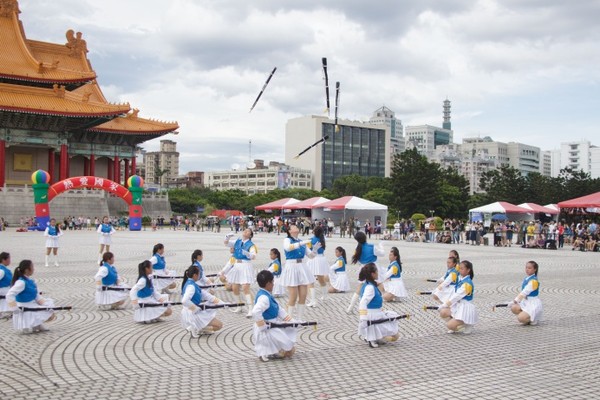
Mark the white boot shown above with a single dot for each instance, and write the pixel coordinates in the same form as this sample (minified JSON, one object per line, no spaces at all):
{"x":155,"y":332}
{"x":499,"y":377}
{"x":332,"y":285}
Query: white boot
{"x":323,"y":292}
{"x":46,"y":260}
{"x":311,"y":294}
{"x":301,"y":308}
{"x":352,"y":303}
{"x":249,"y":305}
{"x":56,"y":260}
{"x":291,"y":310}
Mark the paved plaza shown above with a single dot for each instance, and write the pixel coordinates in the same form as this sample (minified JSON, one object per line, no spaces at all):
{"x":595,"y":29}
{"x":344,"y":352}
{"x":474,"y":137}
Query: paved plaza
{"x":92,"y":354}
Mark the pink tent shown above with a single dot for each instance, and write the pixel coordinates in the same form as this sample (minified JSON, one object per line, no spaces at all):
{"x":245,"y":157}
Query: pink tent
{"x":352,"y":203}
{"x":589,"y":201}
{"x":308,"y":203}
{"x":501,"y":207}
{"x":278,"y":205}
{"x":536,"y":208}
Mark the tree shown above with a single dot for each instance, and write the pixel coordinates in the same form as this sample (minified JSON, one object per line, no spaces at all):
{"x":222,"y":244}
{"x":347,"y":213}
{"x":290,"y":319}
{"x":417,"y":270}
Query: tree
{"x":379,"y":195}
{"x":504,"y":184}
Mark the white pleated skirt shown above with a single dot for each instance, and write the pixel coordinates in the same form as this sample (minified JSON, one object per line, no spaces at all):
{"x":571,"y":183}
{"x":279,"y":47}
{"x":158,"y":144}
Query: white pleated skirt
{"x":3,"y":303}
{"x":465,"y":311}
{"x":443,"y":294}
{"x":149,"y":313}
{"x":105,"y":240}
{"x":319,"y":265}
{"x":52,"y":241}
{"x":30,"y":319}
{"x":339,"y":281}
{"x":278,"y":287}
{"x":533,"y":307}
{"x":112,"y":296}
{"x":198,"y":319}
{"x":161,"y":283}
{"x":379,"y":331}
{"x":294,"y":274}
{"x":271,"y":341}
{"x":241,"y":274}
{"x":396,"y":287}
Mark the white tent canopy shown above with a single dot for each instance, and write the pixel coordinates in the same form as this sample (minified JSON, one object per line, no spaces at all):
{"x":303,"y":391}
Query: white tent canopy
{"x":351,"y":206}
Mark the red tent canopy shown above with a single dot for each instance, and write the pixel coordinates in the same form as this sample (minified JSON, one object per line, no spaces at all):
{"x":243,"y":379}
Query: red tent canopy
{"x":308,"y":203}
{"x":278,"y":205}
{"x":536,"y":208}
{"x":589,"y":201}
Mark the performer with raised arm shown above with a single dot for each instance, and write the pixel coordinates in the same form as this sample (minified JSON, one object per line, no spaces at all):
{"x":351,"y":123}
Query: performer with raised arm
{"x":370,"y":309}
{"x":527,"y":306}
{"x":392,"y":280}
{"x":143,"y":293}
{"x":294,"y":272}
{"x":460,"y":304}
{"x":110,"y":290}
{"x":52,"y":233}
{"x":105,"y":230}
{"x":165,"y":278}
{"x":24,"y":299}
{"x":242,"y":272}
{"x":269,"y":341}
{"x":194,"y":318}
{"x":364,"y":254}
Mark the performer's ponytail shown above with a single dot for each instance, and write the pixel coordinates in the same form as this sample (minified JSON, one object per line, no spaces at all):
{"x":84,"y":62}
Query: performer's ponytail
{"x":142,"y":271}
{"x":188,"y":274}
{"x":318,"y":232}
{"x":105,"y":257}
{"x":24,"y":265}
{"x":361,"y":238}
{"x":195,"y":255}
{"x":396,"y":254}
{"x":366,"y":273}
{"x":469,"y":266}
{"x":157,"y":247}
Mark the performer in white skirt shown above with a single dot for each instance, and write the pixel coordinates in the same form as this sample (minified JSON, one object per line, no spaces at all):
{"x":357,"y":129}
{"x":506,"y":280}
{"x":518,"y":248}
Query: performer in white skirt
{"x":392,"y":281}
{"x":194,"y":319}
{"x":24,"y":293}
{"x":110,"y":290}
{"x":165,"y":282}
{"x":318,"y":266}
{"x":242,"y":272}
{"x":197,"y":257}
{"x":269,"y":342}
{"x":447,"y":283}
{"x":275,"y":269}
{"x":294,"y":276}
{"x":369,"y":309}
{"x":460,"y":305}
{"x":527,"y":306}
{"x":52,"y":233}
{"x":105,"y":230}
{"x":224,"y":273}
{"x":366,"y":253}
{"x":5,"y":281}
{"x":143,"y":292}
{"x":337,"y":273}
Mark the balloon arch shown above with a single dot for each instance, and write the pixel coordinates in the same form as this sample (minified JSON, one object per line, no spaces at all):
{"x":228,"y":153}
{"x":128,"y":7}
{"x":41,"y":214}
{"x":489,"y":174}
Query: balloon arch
{"x":43,"y":194}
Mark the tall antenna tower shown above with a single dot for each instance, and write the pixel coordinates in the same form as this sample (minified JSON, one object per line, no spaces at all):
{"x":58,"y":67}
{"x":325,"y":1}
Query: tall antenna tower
{"x":447,"y":124}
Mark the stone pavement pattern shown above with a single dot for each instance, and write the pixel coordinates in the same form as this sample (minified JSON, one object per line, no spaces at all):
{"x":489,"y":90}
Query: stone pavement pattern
{"x":100,"y":354}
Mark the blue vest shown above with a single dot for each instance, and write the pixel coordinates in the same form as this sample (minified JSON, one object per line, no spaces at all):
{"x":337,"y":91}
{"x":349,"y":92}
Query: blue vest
{"x":112,"y":276}
{"x":7,"y":279}
{"x":240,"y":246}
{"x":278,"y":269}
{"x":448,"y":272}
{"x":368,"y":254}
{"x":468,"y":280}
{"x":147,"y":290}
{"x":106,"y":228}
{"x":197,"y":297}
{"x":527,"y":280}
{"x":273,"y":311}
{"x":29,"y":293}
{"x":343,"y":267}
{"x":297,"y":253}
{"x":377,"y":301}
{"x":197,"y":264}
{"x":314,"y":240}
{"x":52,"y":231}
{"x":160,"y":262}
{"x":398,"y":274}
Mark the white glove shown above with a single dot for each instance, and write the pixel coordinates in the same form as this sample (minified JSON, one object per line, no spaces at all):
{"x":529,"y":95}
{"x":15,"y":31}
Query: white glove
{"x":443,"y":305}
{"x":98,"y":288}
{"x":229,"y":236}
{"x":247,"y":253}
{"x":317,"y":246}
{"x":362,"y":324}
{"x":306,"y":242}
{"x":262,"y":328}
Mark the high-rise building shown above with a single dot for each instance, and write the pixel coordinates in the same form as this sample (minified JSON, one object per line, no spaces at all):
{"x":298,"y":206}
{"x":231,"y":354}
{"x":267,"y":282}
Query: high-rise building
{"x":162,"y":166}
{"x":546,"y":163}
{"x":523,"y":157}
{"x":385,"y":116}
{"x":426,"y":138}
{"x":357,"y":148}
{"x":580,"y":156}
{"x":496,"y":151}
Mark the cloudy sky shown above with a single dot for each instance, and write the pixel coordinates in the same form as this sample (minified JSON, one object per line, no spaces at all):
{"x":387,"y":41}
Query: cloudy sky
{"x":515,"y":70}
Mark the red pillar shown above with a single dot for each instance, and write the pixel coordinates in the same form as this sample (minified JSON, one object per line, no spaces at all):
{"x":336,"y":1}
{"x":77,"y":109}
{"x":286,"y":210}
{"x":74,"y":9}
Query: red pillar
{"x":86,"y":167}
{"x":126,"y":172}
{"x":2,"y":162}
{"x":109,"y":174}
{"x":64,"y":162}
{"x":92,"y":165}
{"x":51,"y":158}
{"x":133,"y":172}
{"x":117,"y":170}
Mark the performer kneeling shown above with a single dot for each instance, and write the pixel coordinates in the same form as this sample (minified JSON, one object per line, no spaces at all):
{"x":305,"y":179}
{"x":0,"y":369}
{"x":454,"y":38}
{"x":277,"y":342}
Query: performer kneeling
{"x":369,"y":309}
{"x":447,"y":283}
{"x":527,"y":305}
{"x":110,"y":291}
{"x":460,"y":306}
{"x":193,"y":318}
{"x":143,"y":293}
{"x":24,"y":294}
{"x":270,"y":342}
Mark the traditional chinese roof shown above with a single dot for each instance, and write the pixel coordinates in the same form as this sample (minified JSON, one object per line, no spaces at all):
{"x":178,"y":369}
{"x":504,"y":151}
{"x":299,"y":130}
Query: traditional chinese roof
{"x":18,"y":61}
{"x":56,"y":101}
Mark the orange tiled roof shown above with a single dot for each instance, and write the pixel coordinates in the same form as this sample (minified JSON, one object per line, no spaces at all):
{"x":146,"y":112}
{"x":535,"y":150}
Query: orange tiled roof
{"x":68,"y":60}
{"x":132,"y":124}
{"x":18,"y":62}
{"x":55,"y":101}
